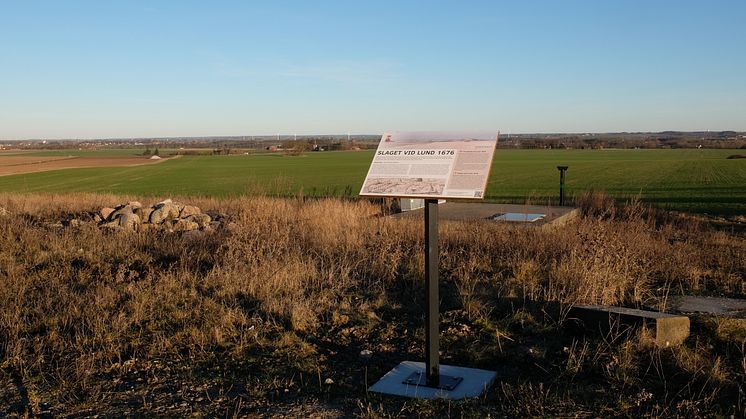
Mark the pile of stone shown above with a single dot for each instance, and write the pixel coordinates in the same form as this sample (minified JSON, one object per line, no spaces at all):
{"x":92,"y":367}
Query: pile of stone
{"x":165,"y":215}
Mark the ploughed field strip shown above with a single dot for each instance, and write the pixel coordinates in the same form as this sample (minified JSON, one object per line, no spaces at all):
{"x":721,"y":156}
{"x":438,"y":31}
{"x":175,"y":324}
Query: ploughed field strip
{"x":14,"y":164}
{"x":21,"y":163}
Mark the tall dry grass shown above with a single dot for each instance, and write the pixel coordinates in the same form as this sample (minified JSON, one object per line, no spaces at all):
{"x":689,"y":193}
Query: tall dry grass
{"x":76,"y":302}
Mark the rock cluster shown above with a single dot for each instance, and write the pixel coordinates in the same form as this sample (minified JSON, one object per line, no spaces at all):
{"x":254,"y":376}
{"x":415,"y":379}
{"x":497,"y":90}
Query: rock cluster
{"x":165,"y":215}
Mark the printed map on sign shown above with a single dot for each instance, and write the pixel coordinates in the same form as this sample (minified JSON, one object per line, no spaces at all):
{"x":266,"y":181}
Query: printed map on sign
{"x":431,"y":165}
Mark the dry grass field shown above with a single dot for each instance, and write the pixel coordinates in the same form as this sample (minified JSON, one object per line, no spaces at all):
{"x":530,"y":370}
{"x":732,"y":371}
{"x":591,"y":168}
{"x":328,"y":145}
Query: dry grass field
{"x":268,"y":314}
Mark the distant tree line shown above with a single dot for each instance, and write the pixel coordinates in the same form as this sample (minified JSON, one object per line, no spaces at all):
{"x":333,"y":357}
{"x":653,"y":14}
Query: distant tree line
{"x":668,"y":139}
{"x":232,"y":145}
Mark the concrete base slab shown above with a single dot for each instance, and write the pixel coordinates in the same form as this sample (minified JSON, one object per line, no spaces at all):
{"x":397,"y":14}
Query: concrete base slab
{"x":730,"y":307}
{"x":474,"y":382}
{"x":668,"y":329}
{"x":471,"y":211}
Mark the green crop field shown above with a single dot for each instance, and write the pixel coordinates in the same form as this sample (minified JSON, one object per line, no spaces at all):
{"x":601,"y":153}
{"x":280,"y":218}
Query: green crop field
{"x":696,"y":180}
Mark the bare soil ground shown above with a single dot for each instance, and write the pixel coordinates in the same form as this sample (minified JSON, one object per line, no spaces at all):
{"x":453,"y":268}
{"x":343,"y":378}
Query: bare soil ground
{"x":18,"y":163}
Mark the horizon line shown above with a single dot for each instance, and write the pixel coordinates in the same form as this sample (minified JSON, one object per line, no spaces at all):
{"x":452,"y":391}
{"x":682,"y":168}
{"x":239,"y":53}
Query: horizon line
{"x":178,"y":137}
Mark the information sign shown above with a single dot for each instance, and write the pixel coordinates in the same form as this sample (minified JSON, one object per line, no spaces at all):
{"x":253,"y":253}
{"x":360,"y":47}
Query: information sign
{"x":431,"y":165}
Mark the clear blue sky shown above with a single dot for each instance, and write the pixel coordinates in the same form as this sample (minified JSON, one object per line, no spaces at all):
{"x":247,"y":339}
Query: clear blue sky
{"x":92,"y":69}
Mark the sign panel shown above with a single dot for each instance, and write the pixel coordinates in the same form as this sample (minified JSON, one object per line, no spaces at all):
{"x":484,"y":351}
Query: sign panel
{"x":431,"y":165}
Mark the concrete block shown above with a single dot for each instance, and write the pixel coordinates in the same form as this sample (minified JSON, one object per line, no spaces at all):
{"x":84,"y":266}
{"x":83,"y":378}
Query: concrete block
{"x":668,"y":329}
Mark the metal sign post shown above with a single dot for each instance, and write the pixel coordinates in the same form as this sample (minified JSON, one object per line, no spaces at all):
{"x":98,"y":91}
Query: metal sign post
{"x":431,"y":377}
{"x":562,"y":170}
{"x":432,"y":315}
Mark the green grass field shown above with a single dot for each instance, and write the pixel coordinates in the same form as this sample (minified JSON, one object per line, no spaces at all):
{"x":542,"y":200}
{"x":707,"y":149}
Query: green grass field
{"x":695,"y":180}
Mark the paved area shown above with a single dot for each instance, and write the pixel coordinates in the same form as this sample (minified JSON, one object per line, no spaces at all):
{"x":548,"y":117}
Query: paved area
{"x":731,"y":307}
{"x":464,"y":211}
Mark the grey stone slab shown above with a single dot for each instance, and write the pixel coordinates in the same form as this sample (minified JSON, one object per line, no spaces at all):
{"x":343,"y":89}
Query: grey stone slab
{"x":518,"y":217}
{"x":732,"y":307}
{"x":668,"y":329}
{"x":474,"y":383}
